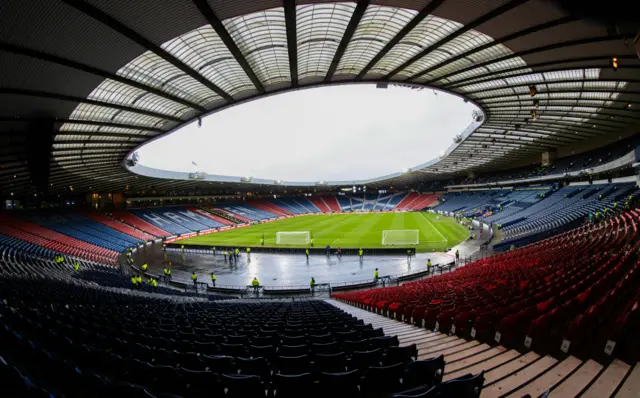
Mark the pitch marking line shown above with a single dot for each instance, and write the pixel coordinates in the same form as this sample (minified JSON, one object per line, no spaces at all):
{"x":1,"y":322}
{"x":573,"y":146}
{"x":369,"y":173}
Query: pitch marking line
{"x":434,"y":227}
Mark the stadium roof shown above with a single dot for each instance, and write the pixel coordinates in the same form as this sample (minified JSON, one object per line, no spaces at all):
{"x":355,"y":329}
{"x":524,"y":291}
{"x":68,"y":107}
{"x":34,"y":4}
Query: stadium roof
{"x":83,"y":83}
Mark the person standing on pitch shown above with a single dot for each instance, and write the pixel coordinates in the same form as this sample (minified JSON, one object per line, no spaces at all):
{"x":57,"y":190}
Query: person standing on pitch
{"x":213,"y":279}
{"x":457,"y":255}
{"x":194,"y":278}
{"x":237,"y":253}
{"x":248,"y":252}
{"x":361,"y":254}
{"x":340,"y":252}
{"x":312,"y":284}
{"x":306,"y":253}
{"x":375,"y":275}
{"x":428,"y":265}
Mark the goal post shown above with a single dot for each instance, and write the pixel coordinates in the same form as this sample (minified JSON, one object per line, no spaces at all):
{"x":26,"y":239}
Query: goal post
{"x":400,"y":237}
{"x":293,"y":238}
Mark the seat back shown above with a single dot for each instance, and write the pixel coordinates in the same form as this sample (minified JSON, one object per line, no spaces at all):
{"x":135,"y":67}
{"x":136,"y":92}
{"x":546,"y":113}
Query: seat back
{"x":404,"y":354}
{"x":330,"y":362}
{"x":383,"y":378}
{"x":240,"y":386}
{"x":428,"y":371}
{"x":341,"y":384}
{"x":293,"y":386}
{"x":468,"y":386}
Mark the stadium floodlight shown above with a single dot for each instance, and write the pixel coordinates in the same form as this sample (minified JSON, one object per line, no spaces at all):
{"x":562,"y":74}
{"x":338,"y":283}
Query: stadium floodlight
{"x":396,"y":237}
{"x":293,"y":238}
{"x":405,"y":170}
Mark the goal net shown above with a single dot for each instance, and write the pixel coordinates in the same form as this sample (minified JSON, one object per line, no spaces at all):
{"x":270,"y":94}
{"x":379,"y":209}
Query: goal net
{"x":293,"y":238}
{"x":400,"y":237}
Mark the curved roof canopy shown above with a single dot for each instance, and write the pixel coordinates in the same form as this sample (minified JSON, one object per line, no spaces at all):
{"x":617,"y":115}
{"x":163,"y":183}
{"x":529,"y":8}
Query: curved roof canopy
{"x":89,"y":81}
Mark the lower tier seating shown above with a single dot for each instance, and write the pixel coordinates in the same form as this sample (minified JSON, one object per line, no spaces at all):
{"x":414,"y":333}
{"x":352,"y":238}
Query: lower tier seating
{"x":571,"y":293}
{"x":69,"y":340}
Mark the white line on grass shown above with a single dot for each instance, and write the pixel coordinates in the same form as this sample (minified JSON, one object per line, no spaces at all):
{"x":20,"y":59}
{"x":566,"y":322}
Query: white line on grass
{"x":434,"y":227}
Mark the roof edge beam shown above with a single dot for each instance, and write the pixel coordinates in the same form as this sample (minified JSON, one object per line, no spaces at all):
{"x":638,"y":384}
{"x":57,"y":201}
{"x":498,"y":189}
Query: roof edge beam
{"x":217,"y":25}
{"x":554,"y":46}
{"x":62,"y":97}
{"x":292,"y":39}
{"x":134,"y":36}
{"x":428,"y":9}
{"x":472,"y":25}
{"x":27,"y":52}
{"x":346,"y":37}
{"x":490,"y":76}
{"x":512,"y":36}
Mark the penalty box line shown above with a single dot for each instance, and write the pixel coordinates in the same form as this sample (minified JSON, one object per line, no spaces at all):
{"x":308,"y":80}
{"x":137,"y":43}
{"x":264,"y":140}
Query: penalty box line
{"x":434,"y":227}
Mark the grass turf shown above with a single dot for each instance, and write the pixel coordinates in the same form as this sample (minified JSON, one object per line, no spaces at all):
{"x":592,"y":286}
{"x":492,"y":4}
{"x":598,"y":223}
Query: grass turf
{"x":345,"y":230}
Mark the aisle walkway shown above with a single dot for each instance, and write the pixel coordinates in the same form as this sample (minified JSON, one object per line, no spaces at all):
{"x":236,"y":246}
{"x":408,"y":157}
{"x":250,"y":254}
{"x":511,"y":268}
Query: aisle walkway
{"x":510,"y":373}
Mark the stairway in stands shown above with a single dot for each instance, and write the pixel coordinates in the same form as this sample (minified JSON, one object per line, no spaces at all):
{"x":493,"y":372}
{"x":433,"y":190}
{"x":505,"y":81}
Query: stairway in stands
{"x":224,"y":214}
{"x":405,"y":203}
{"x":270,"y":207}
{"x":320,"y":204}
{"x":127,"y":218}
{"x":510,"y":372}
{"x":332,"y":203}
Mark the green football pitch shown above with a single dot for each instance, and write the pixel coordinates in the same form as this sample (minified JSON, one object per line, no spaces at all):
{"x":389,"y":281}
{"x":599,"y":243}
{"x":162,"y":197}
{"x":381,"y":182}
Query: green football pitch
{"x":345,"y":230}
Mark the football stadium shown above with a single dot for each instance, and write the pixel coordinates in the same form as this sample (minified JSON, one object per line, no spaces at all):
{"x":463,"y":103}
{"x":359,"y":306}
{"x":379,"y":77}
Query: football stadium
{"x":415,"y":230}
{"x":312,"y":198}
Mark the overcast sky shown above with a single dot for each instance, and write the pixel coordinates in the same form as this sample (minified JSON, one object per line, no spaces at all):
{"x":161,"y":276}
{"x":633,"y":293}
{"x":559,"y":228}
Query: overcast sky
{"x":330,"y":133}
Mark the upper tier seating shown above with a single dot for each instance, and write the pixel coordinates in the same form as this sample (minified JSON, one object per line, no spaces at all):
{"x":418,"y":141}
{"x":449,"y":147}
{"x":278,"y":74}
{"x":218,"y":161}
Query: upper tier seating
{"x":408,"y":199}
{"x":117,"y":225}
{"x":220,"y":222}
{"x":19,"y":258}
{"x":469,"y":200}
{"x":394,"y":201}
{"x":571,"y":163}
{"x":225,"y":213}
{"x":270,"y":207}
{"x":160,"y":222}
{"x":81,"y":228}
{"x":580,"y":286}
{"x":422,"y":201}
{"x":246,"y":211}
{"x":319,"y":202}
{"x":186,"y":219}
{"x":130,"y":219}
{"x":332,"y":203}
{"x":54,"y":241}
{"x":345,"y":202}
{"x":564,"y":208}
{"x":296,"y":205}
